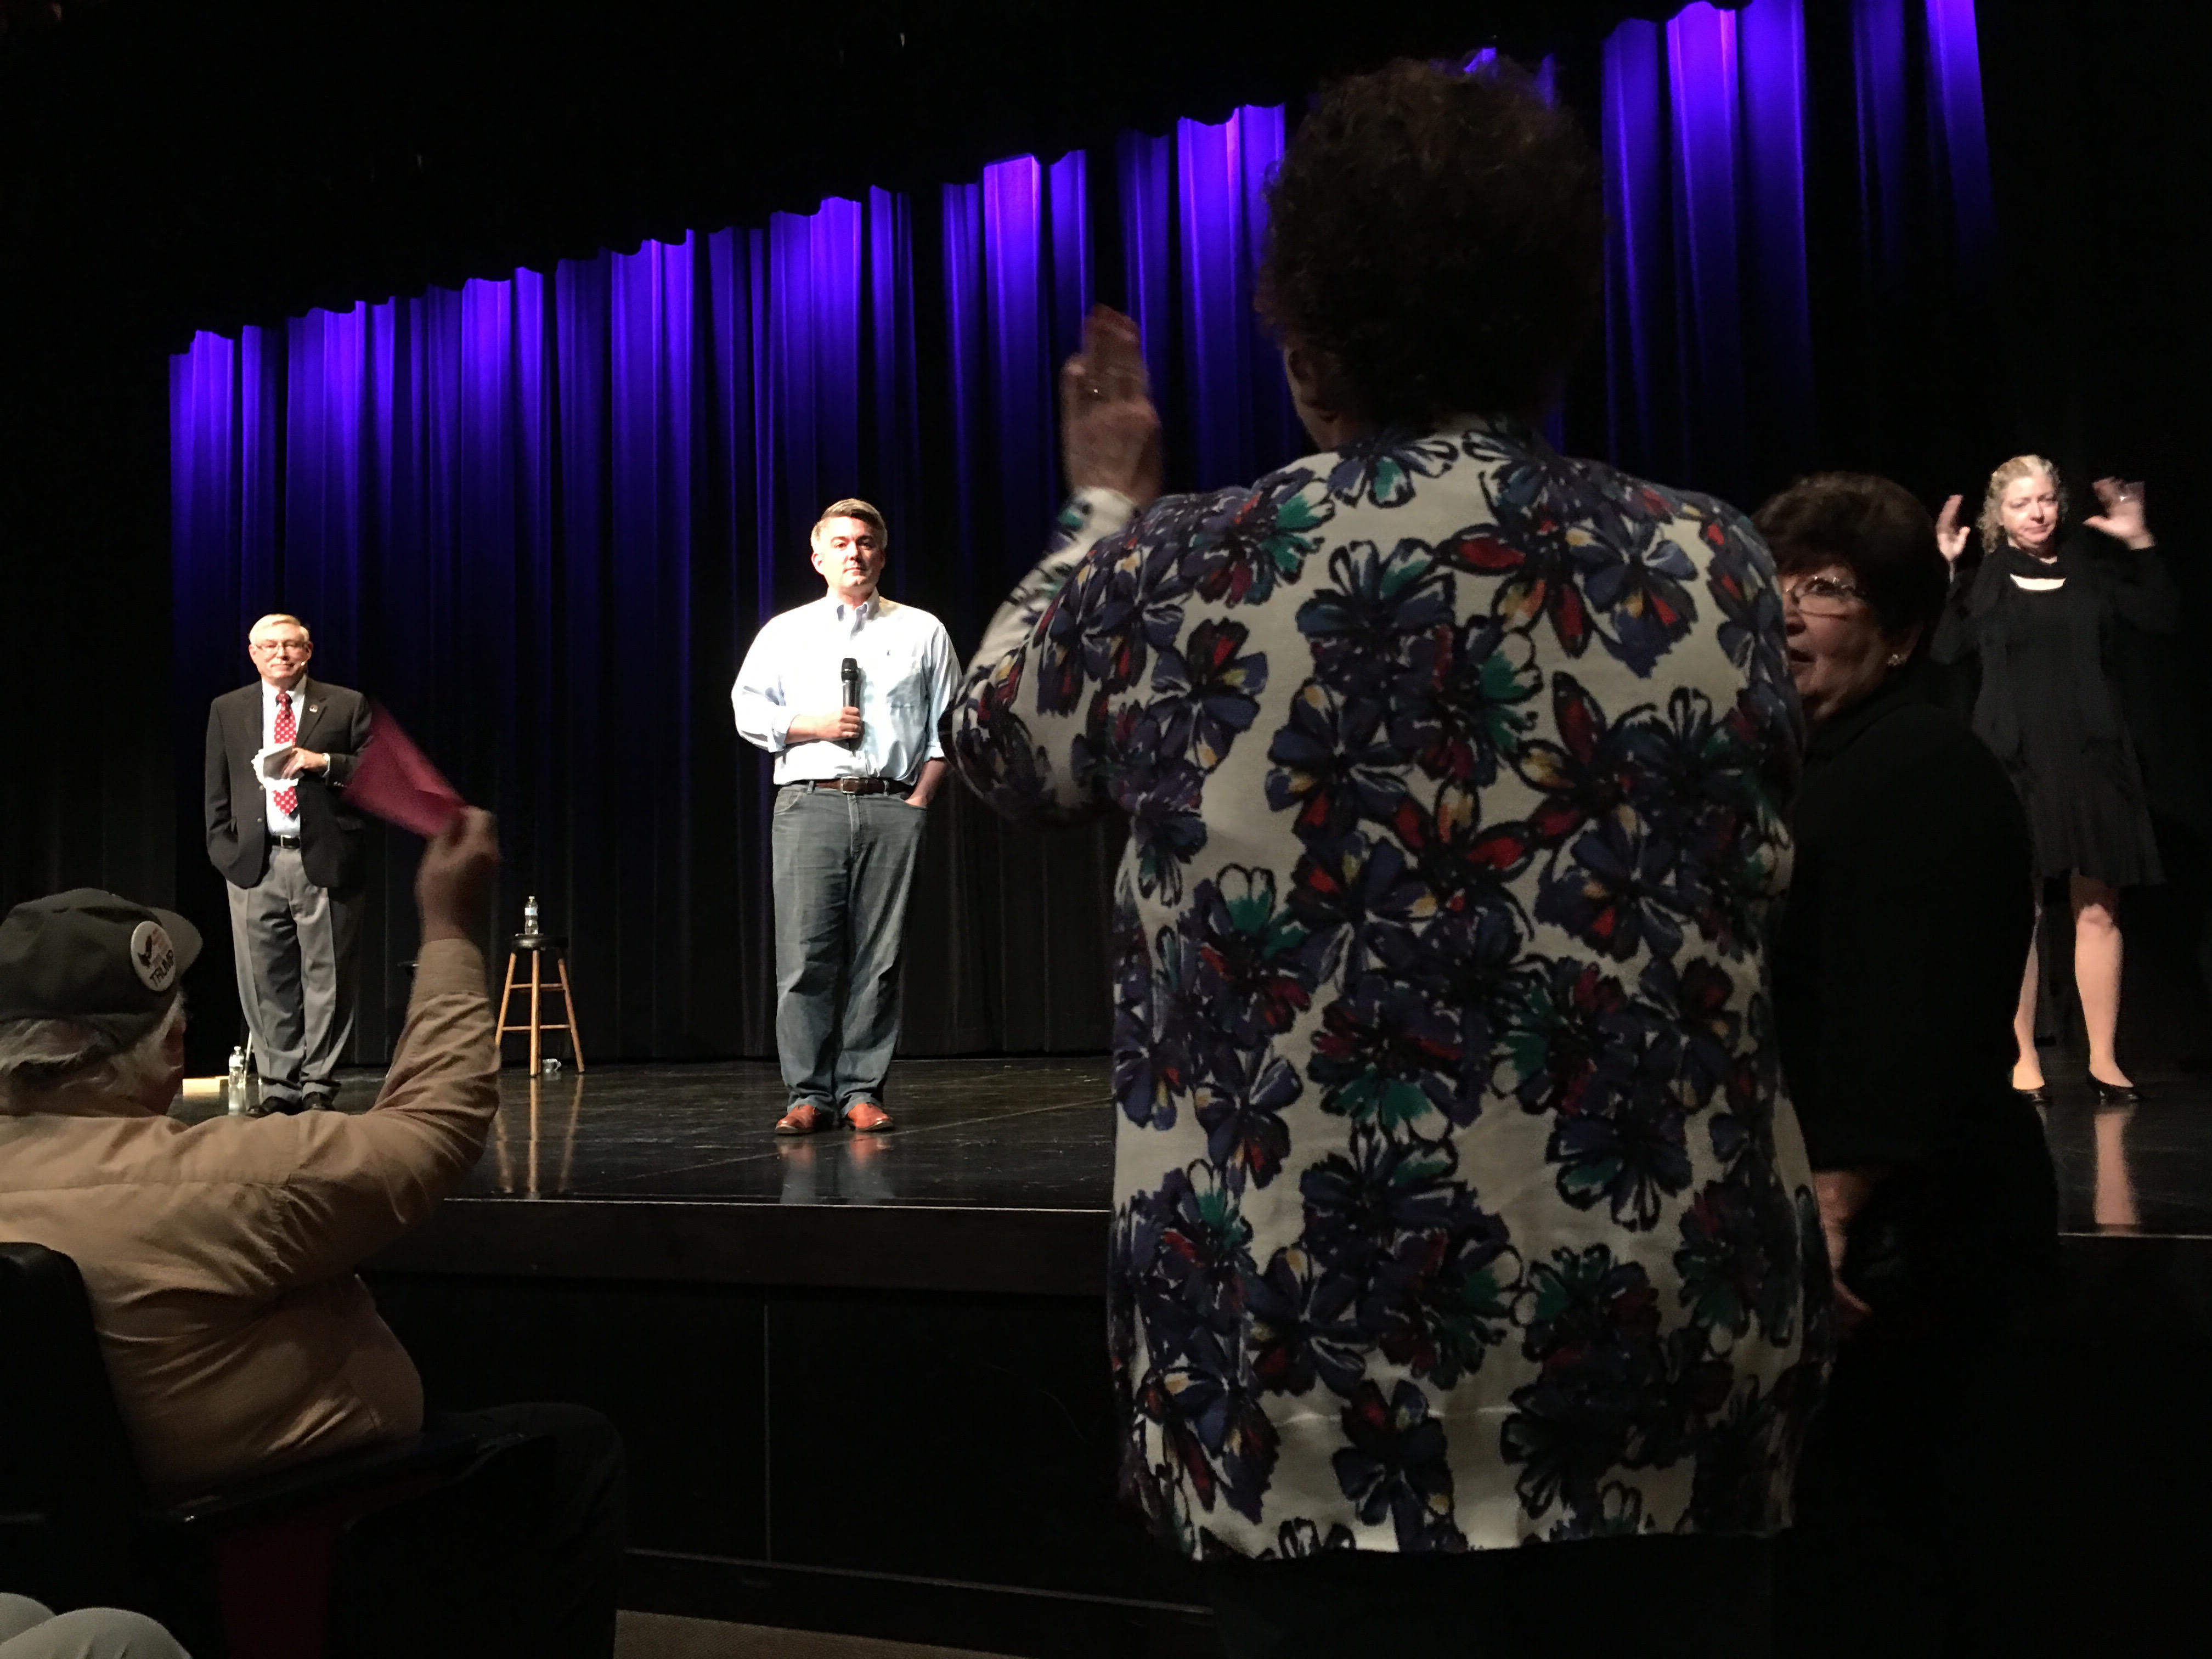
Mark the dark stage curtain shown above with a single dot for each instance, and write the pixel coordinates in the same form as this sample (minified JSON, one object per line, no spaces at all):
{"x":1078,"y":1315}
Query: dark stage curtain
{"x":2103,"y":165}
{"x":540,"y":516}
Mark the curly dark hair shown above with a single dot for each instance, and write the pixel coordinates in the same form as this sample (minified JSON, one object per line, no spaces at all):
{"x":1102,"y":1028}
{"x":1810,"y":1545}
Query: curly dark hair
{"x":1439,"y":239}
{"x":1874,"y":528}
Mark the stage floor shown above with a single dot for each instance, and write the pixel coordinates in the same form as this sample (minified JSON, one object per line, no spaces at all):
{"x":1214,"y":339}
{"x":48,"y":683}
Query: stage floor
{"x":989,"y":1133}
{"x":1037,"y":1135}
{"x":2143,"y":1170}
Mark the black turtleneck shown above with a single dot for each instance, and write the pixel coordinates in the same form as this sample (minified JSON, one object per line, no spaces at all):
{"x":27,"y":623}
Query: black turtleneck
{"x":1898,"y":955}
{"x":1897,"y":967}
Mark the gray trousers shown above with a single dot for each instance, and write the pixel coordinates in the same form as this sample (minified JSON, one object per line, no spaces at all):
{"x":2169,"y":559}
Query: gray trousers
{"x":844,"y":865}
{"x":292,"y":943}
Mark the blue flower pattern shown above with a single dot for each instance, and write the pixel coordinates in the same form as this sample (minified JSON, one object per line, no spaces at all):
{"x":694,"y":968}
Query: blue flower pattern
{"x":1457,"y":1201}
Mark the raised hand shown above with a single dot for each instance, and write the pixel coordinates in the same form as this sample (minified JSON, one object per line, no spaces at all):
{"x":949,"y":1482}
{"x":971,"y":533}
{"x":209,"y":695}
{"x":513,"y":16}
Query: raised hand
{"x":1109,"y":433}
{"x":1950,"y":534}
{"x":453,"y":882}
{"x":2123,"y":517}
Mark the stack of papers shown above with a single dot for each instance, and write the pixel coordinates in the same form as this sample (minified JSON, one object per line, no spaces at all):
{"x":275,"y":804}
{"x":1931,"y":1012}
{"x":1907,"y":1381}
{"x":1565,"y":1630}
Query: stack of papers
{"x":268,"y":765}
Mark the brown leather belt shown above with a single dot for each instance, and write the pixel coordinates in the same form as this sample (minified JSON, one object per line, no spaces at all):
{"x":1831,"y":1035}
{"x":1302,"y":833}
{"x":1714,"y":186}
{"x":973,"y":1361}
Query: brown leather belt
{"x":859,"y":786}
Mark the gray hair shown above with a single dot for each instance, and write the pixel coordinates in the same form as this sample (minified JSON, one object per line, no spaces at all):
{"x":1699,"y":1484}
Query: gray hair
{"x":278,"y":618}
{"x":39,"y":1056}
{"x":1991,"y":525}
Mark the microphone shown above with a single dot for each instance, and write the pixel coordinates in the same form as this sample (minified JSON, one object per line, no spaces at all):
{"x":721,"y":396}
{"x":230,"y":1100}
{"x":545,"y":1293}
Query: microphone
{"x":851,"y":675}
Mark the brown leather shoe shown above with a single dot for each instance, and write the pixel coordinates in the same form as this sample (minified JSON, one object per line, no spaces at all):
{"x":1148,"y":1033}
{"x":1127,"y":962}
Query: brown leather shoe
{"x":867,"y":1117}
{"x":804,"y":1119}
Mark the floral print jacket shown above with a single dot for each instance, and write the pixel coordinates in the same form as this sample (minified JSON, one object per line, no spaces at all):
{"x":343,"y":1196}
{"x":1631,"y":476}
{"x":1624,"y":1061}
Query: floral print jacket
{"x":1457,"y":1201}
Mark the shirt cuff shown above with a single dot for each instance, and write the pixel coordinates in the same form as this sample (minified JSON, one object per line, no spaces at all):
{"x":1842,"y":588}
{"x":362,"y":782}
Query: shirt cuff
{"x":762,"y":724}
{"x":1095,"y":511}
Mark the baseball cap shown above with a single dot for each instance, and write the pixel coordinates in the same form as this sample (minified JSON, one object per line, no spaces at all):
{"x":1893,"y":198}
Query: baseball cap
{"x":95,"y":958}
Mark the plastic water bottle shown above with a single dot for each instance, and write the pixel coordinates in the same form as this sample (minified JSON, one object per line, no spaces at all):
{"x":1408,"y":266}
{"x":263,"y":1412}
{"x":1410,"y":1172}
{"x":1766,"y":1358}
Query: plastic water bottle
{"x":529,"y":916}
{"x":234,"y":1085}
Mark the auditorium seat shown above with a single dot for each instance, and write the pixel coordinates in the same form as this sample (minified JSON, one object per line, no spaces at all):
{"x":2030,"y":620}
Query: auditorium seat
{"x":399,"y":1548}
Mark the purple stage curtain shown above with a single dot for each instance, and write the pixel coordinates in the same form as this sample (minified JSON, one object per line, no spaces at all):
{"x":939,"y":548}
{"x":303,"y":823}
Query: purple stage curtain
{"x":1712,"y":125}
{"x":1192,"y":223}
{"x":540,"y":517}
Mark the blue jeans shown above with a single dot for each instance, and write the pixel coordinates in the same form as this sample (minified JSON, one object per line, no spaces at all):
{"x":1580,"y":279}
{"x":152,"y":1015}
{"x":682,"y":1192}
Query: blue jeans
{"x":843,"y":865}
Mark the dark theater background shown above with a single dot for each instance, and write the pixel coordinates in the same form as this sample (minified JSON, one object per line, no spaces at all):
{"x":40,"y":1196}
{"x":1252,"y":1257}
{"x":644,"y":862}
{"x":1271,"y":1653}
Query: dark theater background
{"x":516,"y":346}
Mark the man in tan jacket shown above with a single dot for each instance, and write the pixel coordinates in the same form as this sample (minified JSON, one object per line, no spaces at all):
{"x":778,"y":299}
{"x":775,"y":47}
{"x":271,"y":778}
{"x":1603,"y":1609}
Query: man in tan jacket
{"x":219,"y":1257}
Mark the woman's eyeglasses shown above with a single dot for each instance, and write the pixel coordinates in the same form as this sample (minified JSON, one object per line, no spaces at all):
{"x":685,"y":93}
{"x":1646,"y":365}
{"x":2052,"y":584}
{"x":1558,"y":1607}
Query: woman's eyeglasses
{"x":1821,"y":596}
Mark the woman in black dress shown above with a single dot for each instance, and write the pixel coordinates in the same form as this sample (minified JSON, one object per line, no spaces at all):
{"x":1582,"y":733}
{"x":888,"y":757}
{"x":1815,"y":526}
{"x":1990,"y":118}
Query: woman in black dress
{"x":2043,"y":613}
{"x":1895,"y":963}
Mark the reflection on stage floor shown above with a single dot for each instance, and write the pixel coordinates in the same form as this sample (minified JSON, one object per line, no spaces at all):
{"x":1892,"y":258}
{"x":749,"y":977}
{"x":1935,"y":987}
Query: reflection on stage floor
{"x":1037,"y":1134}
{"x":2143,"y":1170}
{"x":992,"y":1134}
{"x":989,"y":1133}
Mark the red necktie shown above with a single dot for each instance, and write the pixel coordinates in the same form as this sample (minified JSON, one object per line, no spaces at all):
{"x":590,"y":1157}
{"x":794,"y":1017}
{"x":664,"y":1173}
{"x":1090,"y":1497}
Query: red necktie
{"x":288,"y":799}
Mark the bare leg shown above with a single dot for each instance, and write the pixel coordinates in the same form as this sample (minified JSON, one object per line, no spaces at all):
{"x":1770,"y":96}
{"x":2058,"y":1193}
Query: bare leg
{"x":2027,"y":1070}
{"x":2097,"y":970}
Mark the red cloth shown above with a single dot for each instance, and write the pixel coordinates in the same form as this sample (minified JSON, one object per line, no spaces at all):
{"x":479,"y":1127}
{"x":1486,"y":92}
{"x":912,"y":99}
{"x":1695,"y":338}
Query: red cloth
{"x":395,"y":780}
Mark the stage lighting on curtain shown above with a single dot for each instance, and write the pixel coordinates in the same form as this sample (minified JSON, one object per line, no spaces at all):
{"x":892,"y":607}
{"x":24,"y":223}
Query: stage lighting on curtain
{"x":1709,"y":328}
{"x":1018,"y":280}
{"x":1705,"y":124}
{"x":1887,"y":36}
{"x":1954,"y":90}
{"x":1194,"y":226}
{"x":1546,"y":75}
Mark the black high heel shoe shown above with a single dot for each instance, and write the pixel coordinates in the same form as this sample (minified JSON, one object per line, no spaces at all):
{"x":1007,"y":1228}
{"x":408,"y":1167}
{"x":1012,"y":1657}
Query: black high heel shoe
{"x":2039,"y":1096}
{"x":2113,"y":1094}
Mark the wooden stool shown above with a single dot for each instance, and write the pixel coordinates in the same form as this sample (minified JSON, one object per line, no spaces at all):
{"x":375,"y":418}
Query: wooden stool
{"x":535,"y":945}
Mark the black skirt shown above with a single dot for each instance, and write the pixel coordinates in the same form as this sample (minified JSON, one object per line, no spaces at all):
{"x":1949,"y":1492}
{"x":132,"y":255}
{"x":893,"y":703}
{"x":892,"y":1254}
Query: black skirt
{"x":2087,"y":815}
{"x":2074,"y":770}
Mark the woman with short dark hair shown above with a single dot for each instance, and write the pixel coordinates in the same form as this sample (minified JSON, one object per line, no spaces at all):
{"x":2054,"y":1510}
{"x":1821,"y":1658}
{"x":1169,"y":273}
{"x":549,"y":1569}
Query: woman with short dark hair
{"x":1896,"y":962}
{"x":1458,"y":1206}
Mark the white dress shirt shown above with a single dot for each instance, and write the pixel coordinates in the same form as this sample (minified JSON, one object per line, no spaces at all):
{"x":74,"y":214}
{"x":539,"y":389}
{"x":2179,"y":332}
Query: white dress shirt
{"x":795,"y":667}
{"x":281,"y":823}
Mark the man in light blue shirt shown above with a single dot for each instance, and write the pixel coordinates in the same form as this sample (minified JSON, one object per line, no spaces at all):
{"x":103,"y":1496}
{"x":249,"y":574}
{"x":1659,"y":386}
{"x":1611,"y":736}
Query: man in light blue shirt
{"x":853,"y":782}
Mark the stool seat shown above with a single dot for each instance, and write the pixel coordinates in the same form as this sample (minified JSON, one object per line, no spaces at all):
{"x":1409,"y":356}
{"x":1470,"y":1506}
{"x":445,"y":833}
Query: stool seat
{"x":537,"y":987}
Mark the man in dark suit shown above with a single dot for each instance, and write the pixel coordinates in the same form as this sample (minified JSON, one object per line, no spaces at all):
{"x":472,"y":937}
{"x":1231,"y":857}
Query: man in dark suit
{"x":282,"y":836}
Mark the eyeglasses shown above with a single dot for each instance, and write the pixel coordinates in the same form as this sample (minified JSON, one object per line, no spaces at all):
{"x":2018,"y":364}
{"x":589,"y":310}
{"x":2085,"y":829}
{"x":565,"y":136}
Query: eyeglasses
{"x":1822,"y":596}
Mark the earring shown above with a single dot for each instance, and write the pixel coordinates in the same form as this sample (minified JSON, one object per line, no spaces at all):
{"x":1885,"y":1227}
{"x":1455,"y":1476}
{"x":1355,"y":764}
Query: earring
{"x":1897,"y":660}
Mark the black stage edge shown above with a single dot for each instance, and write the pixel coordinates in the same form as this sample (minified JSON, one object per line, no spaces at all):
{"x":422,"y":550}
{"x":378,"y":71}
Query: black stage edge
{"x":862,"y":1378}
{"x":864,"y":1385}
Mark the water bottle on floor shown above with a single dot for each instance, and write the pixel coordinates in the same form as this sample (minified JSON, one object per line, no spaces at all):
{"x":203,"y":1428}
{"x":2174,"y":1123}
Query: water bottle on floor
{"x":233,"y":1093}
